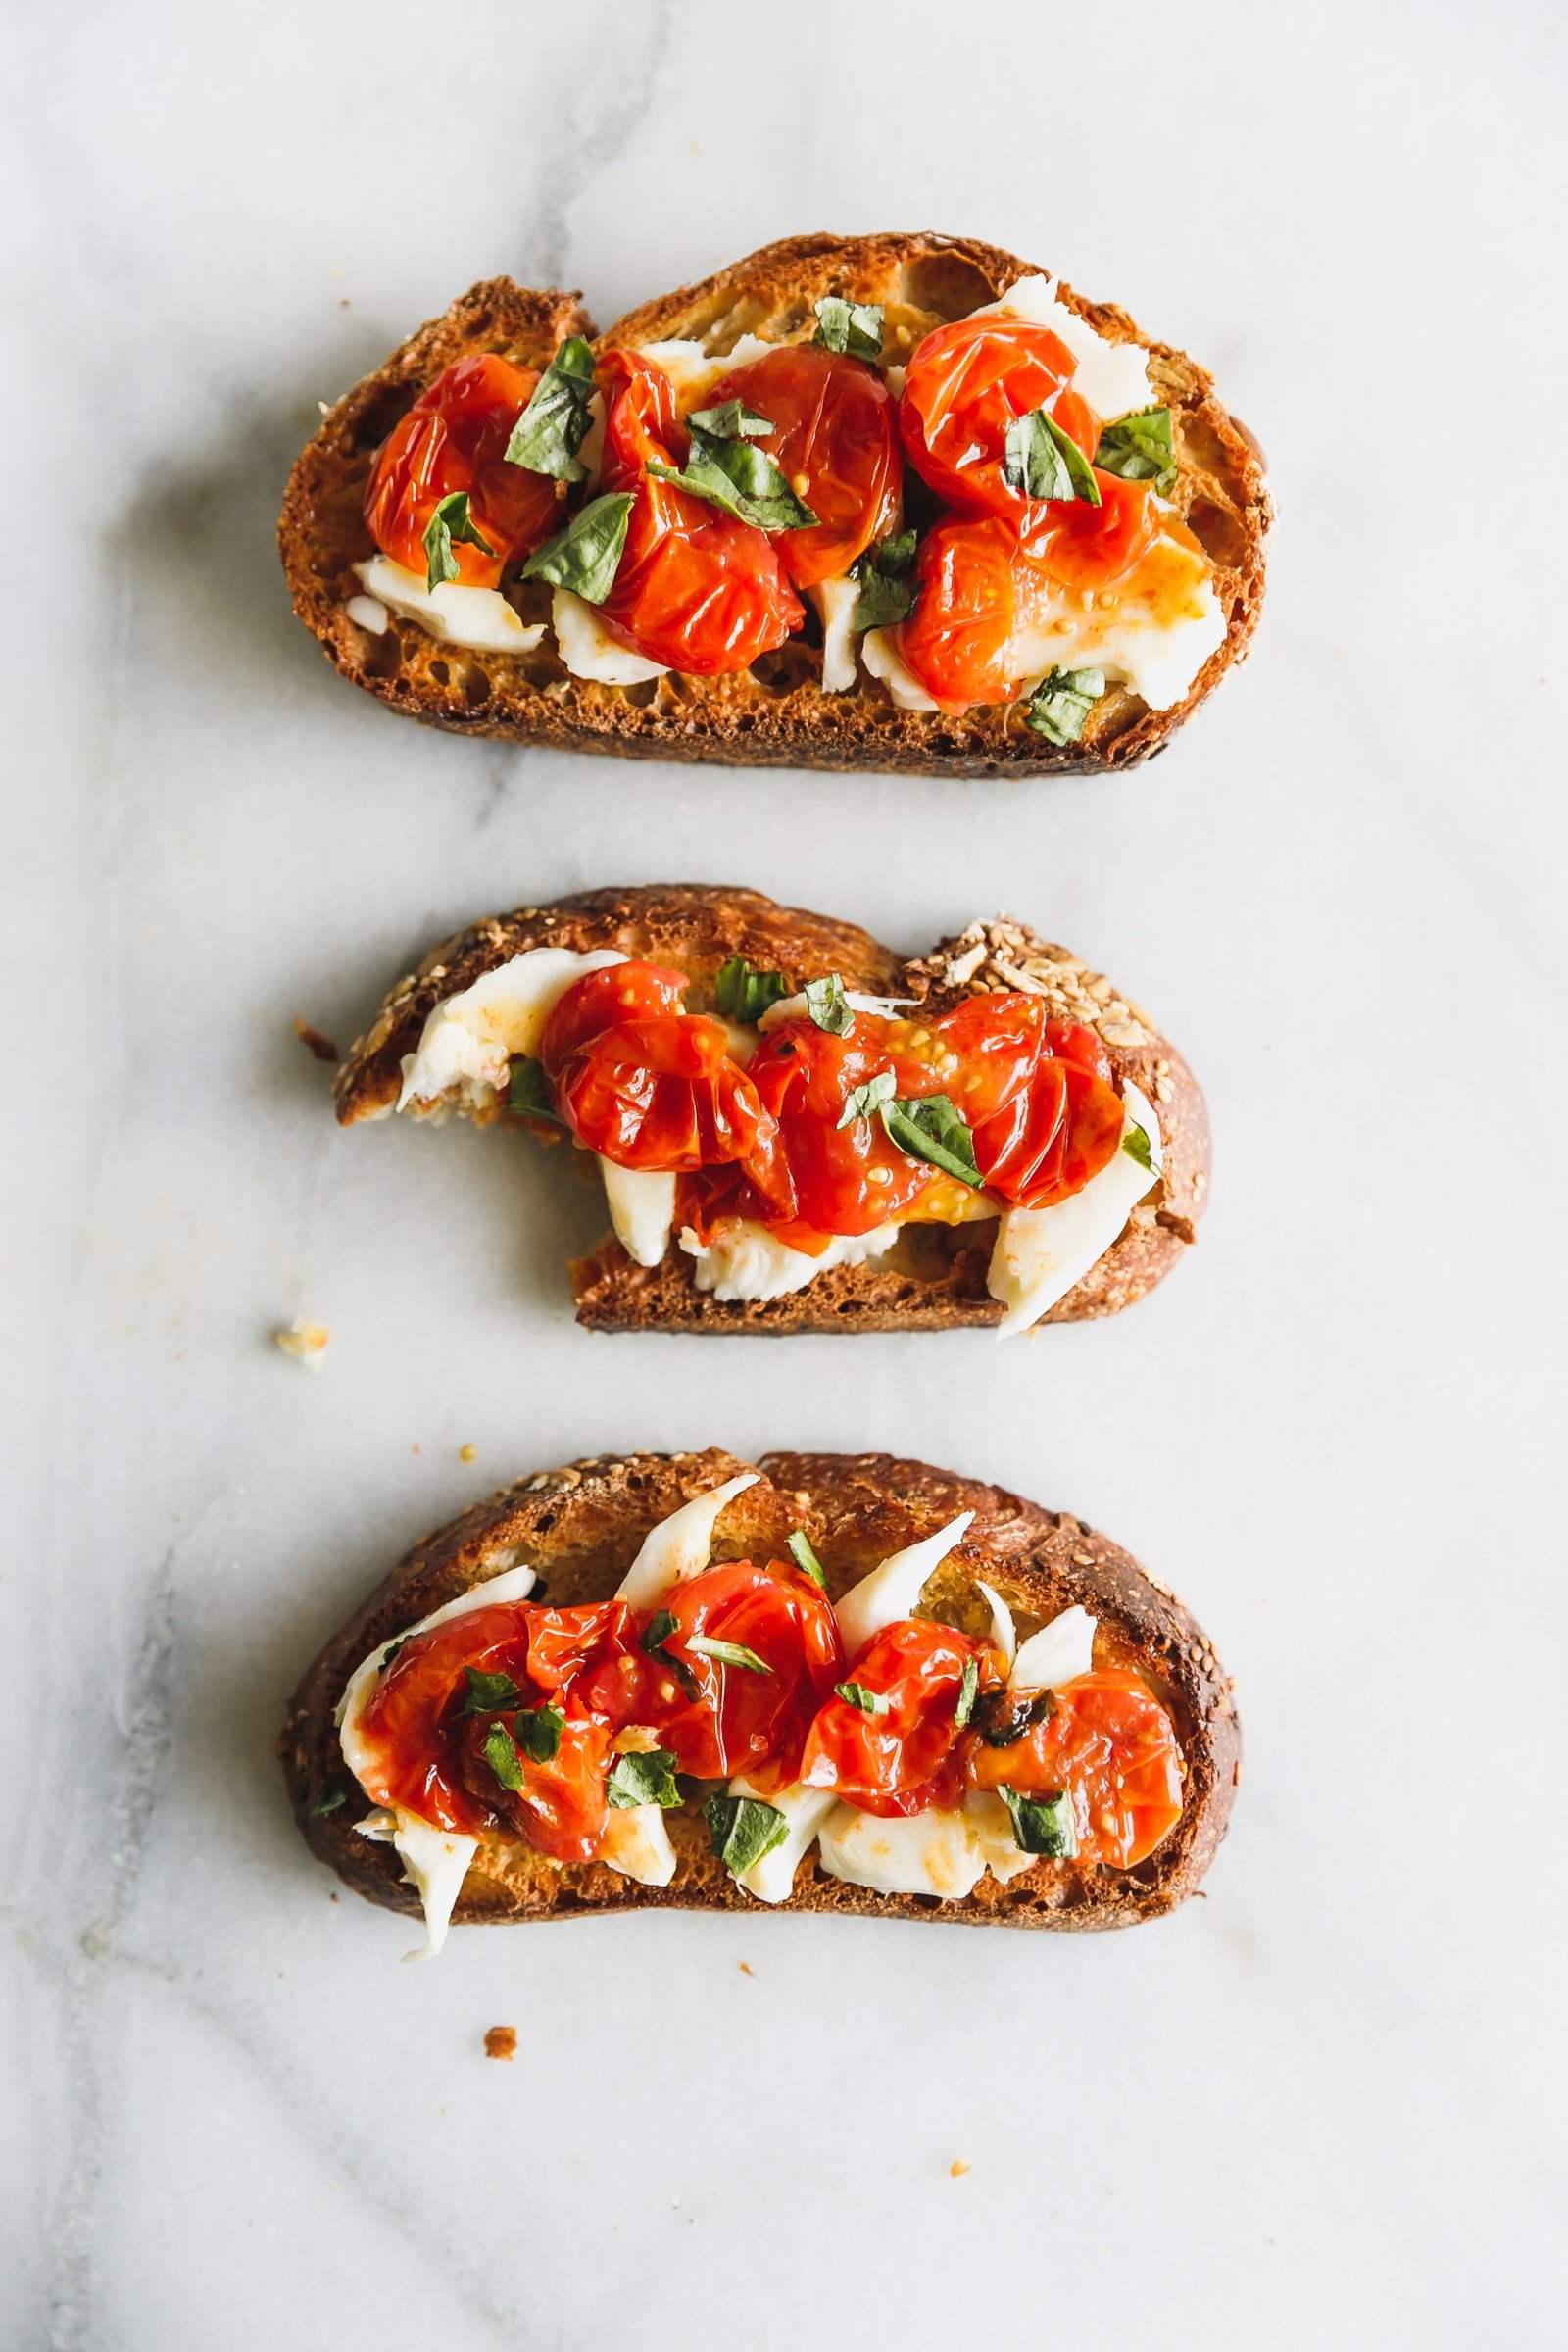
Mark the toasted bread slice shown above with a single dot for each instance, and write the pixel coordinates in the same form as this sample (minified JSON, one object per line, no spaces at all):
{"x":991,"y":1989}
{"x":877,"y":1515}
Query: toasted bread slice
{"x":582,"y":1525}
{"x":934,"y":1277}
{"x":775,"y":715}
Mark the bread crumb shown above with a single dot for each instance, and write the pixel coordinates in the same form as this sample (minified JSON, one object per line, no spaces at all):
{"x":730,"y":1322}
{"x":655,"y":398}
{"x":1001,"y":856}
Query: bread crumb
{"x":959,"y":2164}
{"x":468,"y":1453}
{"x":745,"y":1968}
{"x":306,"y":1342}
{"x":501,"y":2042}
{"x":322,"y":1046}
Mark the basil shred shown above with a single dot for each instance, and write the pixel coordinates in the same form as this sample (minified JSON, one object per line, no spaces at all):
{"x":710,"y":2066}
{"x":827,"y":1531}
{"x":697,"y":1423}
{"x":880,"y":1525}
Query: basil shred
{"x":744,"y":994}
{"x":643,"y":1776}
{"x":550,"y":429}
{"x":1043,"y":1825}
{"x":1041,"y":461}
{"x":742,"y":1830}
{"x":1140,"y":448}
{"x":723,"y":468}
{"x":451,"y":521}
{"x":854,"y":327}
{"x":586,"y":555}
{"x":887,"y":583}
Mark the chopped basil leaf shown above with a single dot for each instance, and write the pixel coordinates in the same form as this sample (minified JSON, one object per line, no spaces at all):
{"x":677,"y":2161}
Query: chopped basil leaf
{"x":733,"y":422}
{"x":1006,"y":1716}
{"x":1140,"y":448}
{"x":1043,"y":1825}
{"x":723,"y":468}
{"x":332,"y":1795}
{"x":862,"y":1100}
{"x":1041,"y":461}
{"x":647,"y":1778}
{"x":501,"y":1754}
{"x":856,"y":1695}
{"x":929,"y":1127}
{"x":586,"y":555}
{"x":852,"y":327}
{"x":888,"y":589}
{"x":728,"y":1653}
{"x":745,"y":995}
{"x":654,"y":1636}
{"x":1136,"y":1145}
{"x":805,"y":1557}
{"x":549,"y":433}
{"x":538,"y":1733}
{"x":487,"y":1692}
{"x":743,"y":1830}
{"x":966,"y":1692}
{"x":526,"y":1093}
{"x":451,"y":521}
{"x":828,"y":1006}
{"x":1061,"y":703}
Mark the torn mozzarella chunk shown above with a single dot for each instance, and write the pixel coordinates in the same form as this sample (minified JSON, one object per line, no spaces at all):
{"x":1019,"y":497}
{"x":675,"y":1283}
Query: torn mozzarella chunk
{"x":1040,"y":1253}
{"x":1113,"y":378}
{"x":743,"y":1262}
{"x":772,"y":1879}
{"x":480,"y":619}
{"x":990,"y":1825}
{"x":368,"y":613}
{"x":935,"y":1852}
{"x":636,"y":1843}
{"x":894,"y":378}
{"x":883,"y":659}
{"x":1058,"y":1653}
{"x":694,"y":372}
{"x":468,"y":1043}
{"x":679,"y":1545}
{"x":889,"y":1594}
{"x":1151,"y":631}
{"x":642,"y":1210}
{"x":589,"y":650}
{"x":1004,"y":1633}
{"x":835,"y":601}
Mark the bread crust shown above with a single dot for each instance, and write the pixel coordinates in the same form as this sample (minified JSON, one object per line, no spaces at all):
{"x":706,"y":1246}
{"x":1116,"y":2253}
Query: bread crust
{"x":582,"y":1525}
{"x":776,"y":714}
{"x":934,"y":1280}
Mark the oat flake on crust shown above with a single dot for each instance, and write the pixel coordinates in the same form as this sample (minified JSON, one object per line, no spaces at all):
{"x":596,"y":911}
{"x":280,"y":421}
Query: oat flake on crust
{"x":1003,"y":954}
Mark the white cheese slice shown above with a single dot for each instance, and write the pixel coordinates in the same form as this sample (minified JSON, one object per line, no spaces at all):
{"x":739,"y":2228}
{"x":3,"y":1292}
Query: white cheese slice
{"x":772,"y":1879}
{"x":679,"y":1545}
{"x":469,"y":1040}
{"x":1158,"y":650}
{"x":894,"y":378}
{"x":835,"y":601}
{"x":889,"y":1594}
{"x":991,"y":1827}
{"x":934,"y":1852}
{"x":368,"y":613}
{"x":588,"y":648}
{"x":793,"y":1008}
{"x":636,"y":1843}
{"x":477,"y":617}
{"x":694,"y":372}
{"x":642,"y":1210}
{"x":1004,"y":1633}
{"x":882,"y":660}
{"x":1041,"y":1252}
{"x":1113,"y":378}
{"x":743,"y":1261}
{"x":1058,"y":1653}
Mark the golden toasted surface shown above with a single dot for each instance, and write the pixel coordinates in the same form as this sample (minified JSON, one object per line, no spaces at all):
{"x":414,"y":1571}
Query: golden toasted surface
{"x":774,"y":716}
{"x":935,"y":1279}
{"x":582,"y":1525}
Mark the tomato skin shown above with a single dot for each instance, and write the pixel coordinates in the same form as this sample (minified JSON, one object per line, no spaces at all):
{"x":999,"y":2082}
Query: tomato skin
{"x":913,"y":1755}
{"x":1046,"y":1142}
{"x":966,"y":385}
{"x":562,"y":1806}
{"x":454,"y":438}
{"x":695,"y":590}
{"x":1113,"y":1748}
{"x":1075,"y":545}
{"x":834,"y":439}
{"x":735,"y":1719}
{"x":957,"y":640}
{"x":844,"y":1181}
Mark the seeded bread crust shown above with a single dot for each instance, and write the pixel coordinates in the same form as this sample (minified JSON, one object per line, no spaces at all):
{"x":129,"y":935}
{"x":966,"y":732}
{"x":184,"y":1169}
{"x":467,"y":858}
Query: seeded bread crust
{"x":582,"y":1527}
{"x":935,"y":1278}
{"x":775,"y":715}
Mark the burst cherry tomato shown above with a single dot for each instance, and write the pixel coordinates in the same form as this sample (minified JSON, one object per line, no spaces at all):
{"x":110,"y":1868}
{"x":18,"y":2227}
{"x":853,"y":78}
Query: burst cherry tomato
{"x":453,"y":438}
{"x":719,"y":1718}
{"x":966,"y":384}
{"x":1079,"y":546}
{"x":911,"y":1755}
{"x":1111,"y":1745}
{"x":845,"y":1180}
{"x":959,"y":640}
{"x":696,"y":589}
{"x":1043,"y":1140}
{"x":562,"y":1807}
{"x":834,"y":439}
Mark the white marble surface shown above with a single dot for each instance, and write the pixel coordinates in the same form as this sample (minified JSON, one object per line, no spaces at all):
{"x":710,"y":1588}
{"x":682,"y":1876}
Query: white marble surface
{"x":1322,"y":2105}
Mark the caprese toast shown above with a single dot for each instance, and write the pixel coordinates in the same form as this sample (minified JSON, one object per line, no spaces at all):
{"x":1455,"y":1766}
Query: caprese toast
{"x":797,"y":1128}
{"x":832,"y":1682}
{"x":888,"y":502}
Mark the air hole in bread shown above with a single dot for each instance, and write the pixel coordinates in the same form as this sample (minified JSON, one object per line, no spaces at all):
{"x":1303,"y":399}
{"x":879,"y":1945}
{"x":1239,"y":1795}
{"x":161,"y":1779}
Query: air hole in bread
{"x":1218,"y":533}
{"x":441,"y":673}
{"x":1202,"y":446}
{"x":380,"y":656}
{"x":381,"y":413}
{"x":946,"y":283}
{"x":645,"y":691}
{"x":475,"y":682}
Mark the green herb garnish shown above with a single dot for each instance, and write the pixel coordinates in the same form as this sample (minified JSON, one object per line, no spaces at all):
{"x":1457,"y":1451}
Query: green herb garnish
{"x":1136,"y":1145}
{"x":728,"y":1653}
{"x":1006,"y":1716}
{"x":724,"y":468}
{"x":538,"y":1730}
{"x":586,"y":555}
{"x":888,"y":587}
{"x":501,"y":1754}
{"x":331,"y":1796}
{"x":1061,"y":703}
{"x":805,"y":1557}
{"x":526,"y":1093}
{"x":1043,"y":1825}
{"x":451,"y":521}
{"x":654,"y":1639}
{"x":745,"y":995}
{"x":862,"y":1100}
{"x":967,"y":1689}
{"x":852,"y":327}
{"x":644,"y":1778}
{"x":929,"y":1127}
{"x":1141,"y":448}
{"x":743,"y":1830}
{"x":856,"y":1695}
{"x":1041,"y":461}
{"x":550,"y":431}
{"x":487,"y":1692}
{"x":828,"y":1006}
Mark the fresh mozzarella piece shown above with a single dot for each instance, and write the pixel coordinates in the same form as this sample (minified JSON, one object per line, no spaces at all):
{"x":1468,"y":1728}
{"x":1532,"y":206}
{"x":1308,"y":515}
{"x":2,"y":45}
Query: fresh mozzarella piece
{"x":477,"y":617}
{"x":743,"y":1261}
{"x":835,"y":601}
{"x":642,"y":1210}
{"x":1153,"y":632}
{"x":1113,"y":378}
{"x":793,"y":1008}
{"x":694,"y":372}
{"x":772,"y":1879}
{"x":892,"y":1589}
{"x":368,"y":613}
{"x":894,"y":378}
{"x":679,"y":1545}
{"x":1058,"y":1653}
{"x":1004,"y":1633}
{"x":588,"y":648}
{"x":882,"y":660}
{"x":1041,"y":1252}
{"x":934,"y":1852}
{"x":636,"y":1843}
{"x":468,"y":1043}
{"x":991,"y":1827}
{"x":436,"y":1863}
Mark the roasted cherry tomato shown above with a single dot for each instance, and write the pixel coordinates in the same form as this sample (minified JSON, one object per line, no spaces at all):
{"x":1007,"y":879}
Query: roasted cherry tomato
{"x":720,"y":1718}
{"x":1111,"y":1745}
{"x":562,"y":1807}
{"x":453,"y":438}
{"x":652,"y":1087}
{"x":695,"y":590}
{"x":966,"y":384}
{"x":1075,"y":545}
{"x":1045,"y":1141}
{"x":845,"y":1180}
{"x":834,"y":439}
{"x":959,"y":640}
{"x":911,"y":1755}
